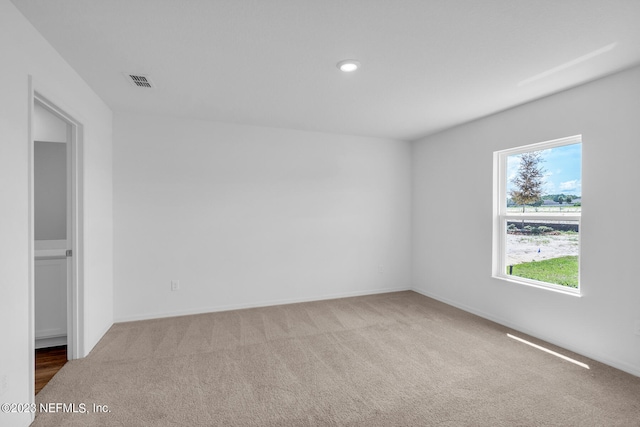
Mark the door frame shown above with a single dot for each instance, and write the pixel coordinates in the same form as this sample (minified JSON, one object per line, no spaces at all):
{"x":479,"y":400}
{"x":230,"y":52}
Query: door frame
{"x":75,"y":283}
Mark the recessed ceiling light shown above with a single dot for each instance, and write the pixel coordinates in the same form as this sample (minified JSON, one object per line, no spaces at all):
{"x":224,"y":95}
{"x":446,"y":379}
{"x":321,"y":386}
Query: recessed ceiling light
{"x":348,"y":65}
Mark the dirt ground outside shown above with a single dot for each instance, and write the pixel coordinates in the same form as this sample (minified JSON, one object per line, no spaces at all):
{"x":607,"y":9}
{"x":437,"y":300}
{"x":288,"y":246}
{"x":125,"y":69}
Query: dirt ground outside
{"x":527,"y":248}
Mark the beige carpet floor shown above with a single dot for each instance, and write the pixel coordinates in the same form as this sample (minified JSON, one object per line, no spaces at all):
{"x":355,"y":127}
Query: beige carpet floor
{"x":398,"y":359}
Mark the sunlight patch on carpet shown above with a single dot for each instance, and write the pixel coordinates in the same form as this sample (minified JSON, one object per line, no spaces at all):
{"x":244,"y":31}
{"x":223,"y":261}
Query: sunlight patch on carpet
{"x":561,"y":356}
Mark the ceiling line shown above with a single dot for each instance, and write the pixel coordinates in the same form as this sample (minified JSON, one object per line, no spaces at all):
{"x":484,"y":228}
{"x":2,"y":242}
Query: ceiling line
{"x":568,"y":64}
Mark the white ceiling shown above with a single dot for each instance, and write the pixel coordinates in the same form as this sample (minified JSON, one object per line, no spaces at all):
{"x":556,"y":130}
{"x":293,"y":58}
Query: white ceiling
{"x":426,"y":64}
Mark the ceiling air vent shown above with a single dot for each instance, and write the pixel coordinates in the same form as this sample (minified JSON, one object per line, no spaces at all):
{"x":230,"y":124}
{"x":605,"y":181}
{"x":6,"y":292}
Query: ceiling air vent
{"x":140,"y":80}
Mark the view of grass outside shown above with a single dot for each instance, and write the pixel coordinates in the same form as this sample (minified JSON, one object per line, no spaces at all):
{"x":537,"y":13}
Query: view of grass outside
{"x":560,"y":271}
{"x":542,"y":251}
{"x":539,"y":184}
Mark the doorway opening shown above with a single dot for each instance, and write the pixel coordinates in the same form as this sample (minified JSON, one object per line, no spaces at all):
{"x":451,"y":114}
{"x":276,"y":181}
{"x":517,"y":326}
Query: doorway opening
{"x":54,"y":212}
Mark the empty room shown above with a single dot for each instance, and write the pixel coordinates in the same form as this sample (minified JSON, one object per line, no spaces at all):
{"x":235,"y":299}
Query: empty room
{"x":319,"y":213}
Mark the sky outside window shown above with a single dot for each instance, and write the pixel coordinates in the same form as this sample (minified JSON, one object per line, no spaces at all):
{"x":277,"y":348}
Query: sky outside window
{"x":562,"y":170}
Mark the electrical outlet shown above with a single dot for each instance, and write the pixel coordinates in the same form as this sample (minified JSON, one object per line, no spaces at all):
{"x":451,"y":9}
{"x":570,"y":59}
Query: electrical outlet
{"x":637,"y":328}
{"x":175,"y":285}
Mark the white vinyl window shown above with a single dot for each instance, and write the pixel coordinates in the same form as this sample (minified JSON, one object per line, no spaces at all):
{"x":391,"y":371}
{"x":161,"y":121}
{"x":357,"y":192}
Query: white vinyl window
{"x":537,"y":209}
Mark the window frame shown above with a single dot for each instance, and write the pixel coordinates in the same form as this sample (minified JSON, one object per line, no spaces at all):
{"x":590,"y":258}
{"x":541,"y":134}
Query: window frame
{"x":501,"y":216}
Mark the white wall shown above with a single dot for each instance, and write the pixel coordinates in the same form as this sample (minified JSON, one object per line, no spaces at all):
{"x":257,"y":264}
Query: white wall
{"x":50,"y":190}
{"x":47,"y":126}
{"x":50,"y":134}
{"x":24,"y":53}
{"x":452,"y":219}
{"x":247,"y":216}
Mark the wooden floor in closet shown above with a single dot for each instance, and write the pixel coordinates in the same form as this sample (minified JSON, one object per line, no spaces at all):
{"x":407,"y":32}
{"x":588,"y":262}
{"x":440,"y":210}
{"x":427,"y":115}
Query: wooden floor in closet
{"x":48,"y":362}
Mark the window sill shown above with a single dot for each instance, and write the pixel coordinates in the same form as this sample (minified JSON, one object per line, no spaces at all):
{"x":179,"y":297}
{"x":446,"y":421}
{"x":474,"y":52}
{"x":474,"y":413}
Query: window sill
{"x":534,"y":284}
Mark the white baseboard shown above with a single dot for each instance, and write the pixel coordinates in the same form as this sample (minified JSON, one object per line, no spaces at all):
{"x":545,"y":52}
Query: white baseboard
{"x":214,"y":309}
{"x":50,"y":342}
{"x":623,"y":366}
